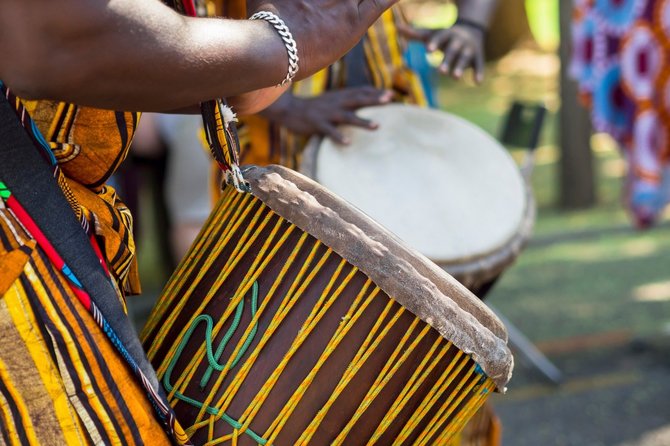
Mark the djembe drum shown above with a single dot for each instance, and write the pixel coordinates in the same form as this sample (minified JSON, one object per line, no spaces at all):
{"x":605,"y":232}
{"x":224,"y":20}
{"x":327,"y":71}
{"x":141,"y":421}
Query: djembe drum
{"x":438,"y":182}
{"x":297,"y":319}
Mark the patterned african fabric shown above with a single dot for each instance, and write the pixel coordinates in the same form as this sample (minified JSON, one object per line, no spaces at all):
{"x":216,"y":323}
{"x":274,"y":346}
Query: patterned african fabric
{"x":89,"y":145}
{"x":61,"y":386}
{"x":620,"y":60}
{"x":382,"y":60}
{"x":61,"y":382}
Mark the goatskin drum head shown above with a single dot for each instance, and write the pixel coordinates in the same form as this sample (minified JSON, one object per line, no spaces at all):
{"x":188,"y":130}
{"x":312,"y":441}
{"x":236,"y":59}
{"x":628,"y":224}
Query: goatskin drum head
{"x":438,"y":182}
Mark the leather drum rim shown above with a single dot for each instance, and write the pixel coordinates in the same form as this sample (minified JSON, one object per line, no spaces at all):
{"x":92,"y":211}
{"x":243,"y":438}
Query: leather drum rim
{"x":434,"y":296}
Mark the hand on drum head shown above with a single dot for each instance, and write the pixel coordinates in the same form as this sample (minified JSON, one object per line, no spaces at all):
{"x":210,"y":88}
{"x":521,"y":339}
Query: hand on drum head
{"x":462,"y":45}
{"x":323,"y":29}
{"x":321,"y":115}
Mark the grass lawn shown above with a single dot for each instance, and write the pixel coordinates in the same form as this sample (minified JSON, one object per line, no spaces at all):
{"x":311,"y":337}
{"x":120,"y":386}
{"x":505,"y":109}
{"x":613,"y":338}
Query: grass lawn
{"x":585,"y":272}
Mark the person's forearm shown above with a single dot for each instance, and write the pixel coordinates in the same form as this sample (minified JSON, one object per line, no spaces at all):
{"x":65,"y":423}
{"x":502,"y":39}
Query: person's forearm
{"x":477,"y":11}
{"x":129,"y":62}
{"x":258,"y":100}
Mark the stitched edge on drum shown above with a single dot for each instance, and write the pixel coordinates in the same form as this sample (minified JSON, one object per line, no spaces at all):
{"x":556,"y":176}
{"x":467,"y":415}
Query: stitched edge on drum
{"x":432,"y":295}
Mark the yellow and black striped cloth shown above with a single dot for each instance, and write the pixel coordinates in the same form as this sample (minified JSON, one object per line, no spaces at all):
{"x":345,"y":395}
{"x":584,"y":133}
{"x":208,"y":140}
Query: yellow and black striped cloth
{"x":61,"y":381}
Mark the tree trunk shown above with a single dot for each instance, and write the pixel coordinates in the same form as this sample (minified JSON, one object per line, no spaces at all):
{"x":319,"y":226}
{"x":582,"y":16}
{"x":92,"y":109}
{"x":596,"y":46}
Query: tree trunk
{"x":577,"y":182}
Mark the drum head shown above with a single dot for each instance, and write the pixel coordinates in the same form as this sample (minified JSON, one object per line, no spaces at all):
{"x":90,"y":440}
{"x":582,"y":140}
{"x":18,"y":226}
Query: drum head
{"x":440,"y":183}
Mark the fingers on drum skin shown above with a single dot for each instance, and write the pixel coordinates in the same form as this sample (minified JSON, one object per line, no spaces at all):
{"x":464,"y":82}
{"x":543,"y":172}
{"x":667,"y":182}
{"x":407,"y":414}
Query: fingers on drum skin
{"x":352,"y":119}
{"x":450,"y":55}
{"x":331,"y":131}
{"x":464,"y":61}
{"x":355,"y":98}
{"x":439,"y":39}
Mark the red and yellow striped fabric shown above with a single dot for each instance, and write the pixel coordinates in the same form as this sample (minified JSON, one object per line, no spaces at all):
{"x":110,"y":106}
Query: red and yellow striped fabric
{"x":61,"y":381}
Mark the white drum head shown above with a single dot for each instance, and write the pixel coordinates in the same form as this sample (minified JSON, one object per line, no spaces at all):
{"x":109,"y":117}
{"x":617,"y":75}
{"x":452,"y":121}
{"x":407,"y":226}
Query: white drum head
{"x":438,"y":182}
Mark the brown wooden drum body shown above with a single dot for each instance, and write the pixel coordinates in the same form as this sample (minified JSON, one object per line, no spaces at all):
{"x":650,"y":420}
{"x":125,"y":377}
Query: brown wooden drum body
{"x":278,"y":328}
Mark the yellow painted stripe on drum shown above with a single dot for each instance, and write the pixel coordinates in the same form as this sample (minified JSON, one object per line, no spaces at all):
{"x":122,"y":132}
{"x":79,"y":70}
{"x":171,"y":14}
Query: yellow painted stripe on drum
{"x":365,"y":350}
{"x":262,"y":308}
{"x":212,"y":225}
{"x":238,"y":205}
{"x":177,"y":283}
{"x":244,"y":288}
{"x":26,"y":422}
{"x":442,"y":414}
{"x":413,"y":384}
{"x":295,"y":292}
{"x":471,"y":407}
{"x":315,"y":315}
{"x":354,"y":313}
{"x":447,"y":409}
{"x":309,"y":325}
{"x":246,"y":283}
{"x":291,"y":298}
{"x":385,"y":376}
{"x":307,"y":272}
{"x":447,"y":436}
{"x":319,"y":310}
{"x":26,"y":324}
{"x":440,"y":388}
{"x":246,"y":241}
{"x":458,"y":422}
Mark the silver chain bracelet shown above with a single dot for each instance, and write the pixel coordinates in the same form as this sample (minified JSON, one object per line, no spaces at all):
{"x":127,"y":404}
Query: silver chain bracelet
{"x":287,"y":37}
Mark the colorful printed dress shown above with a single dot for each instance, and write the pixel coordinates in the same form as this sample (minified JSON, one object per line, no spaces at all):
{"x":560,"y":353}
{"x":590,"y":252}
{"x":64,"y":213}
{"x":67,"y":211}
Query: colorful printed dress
{"x":621,"y":60}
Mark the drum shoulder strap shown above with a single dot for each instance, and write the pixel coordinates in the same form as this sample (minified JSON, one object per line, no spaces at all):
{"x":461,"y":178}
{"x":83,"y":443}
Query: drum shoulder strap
{"x":30,"y":180}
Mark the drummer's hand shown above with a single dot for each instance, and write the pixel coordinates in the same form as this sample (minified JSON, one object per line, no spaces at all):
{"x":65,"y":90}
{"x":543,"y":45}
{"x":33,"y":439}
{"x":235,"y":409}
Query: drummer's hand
{"x":321,"y":115}
{"x":324,"y":30}
{"x":462,"y":45}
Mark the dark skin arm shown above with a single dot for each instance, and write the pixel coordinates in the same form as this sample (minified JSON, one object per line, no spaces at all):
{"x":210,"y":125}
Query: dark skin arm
{"x":141,"y":55}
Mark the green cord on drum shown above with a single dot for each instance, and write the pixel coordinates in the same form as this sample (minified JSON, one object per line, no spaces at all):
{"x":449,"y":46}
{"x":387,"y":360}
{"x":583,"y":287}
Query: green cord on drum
{"x":213,"y":358}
